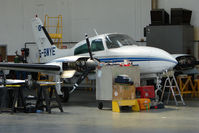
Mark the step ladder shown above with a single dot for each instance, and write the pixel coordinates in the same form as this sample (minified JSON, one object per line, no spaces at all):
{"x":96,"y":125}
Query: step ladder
{"x":172,"y":84}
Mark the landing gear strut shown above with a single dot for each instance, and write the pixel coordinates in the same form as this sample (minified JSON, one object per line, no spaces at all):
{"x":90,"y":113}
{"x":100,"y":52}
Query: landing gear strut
{"x":158,"y":90}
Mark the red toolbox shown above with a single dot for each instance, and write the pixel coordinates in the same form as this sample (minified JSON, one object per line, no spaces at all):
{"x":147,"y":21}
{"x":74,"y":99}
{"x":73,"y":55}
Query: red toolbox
{"x":145,"y":92}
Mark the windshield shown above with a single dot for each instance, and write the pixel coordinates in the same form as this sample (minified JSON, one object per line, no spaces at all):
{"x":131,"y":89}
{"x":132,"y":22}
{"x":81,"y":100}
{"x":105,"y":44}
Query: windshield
{"x":118,"y":40}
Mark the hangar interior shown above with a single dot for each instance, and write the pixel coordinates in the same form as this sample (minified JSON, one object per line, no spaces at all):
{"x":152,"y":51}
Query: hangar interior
{"x":99,"y":66}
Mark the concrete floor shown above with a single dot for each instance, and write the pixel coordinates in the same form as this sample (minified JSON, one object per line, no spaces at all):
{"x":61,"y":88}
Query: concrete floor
{"x":82,"y":115}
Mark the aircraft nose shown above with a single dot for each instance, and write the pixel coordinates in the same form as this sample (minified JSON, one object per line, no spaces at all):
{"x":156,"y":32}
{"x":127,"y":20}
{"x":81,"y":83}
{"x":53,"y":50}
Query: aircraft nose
{"x":169,"y":60}
{"x":175,"y":62}
{"x":172,"y":60}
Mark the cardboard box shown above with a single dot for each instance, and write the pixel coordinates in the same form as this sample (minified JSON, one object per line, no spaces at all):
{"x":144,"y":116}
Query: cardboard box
{"x":123,"y":92}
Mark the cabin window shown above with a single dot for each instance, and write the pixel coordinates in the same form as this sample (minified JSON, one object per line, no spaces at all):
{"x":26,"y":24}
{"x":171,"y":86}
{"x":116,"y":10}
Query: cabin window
{"x":81,"y":49}
{"x":96,"y":45}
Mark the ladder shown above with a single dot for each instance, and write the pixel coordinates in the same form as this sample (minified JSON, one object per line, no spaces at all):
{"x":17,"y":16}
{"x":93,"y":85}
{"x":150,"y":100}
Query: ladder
{"x":172,"y":84}
{"x":55,"y":28}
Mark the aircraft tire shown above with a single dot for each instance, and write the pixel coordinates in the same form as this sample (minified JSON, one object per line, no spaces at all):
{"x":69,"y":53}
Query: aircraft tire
{"x":100,"y":105}
{"x":66,"y":95}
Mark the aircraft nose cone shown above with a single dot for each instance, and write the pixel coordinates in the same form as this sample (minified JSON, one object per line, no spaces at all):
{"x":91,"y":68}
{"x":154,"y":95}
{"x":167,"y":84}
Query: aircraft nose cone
{"x":172,"y":60}
{"x":167,"y":60}
{"x":175,"y":62}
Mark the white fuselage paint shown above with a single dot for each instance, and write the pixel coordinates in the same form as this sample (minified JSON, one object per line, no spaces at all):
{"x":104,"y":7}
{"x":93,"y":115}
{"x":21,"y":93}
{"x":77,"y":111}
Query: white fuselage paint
{"x":149,"y":59}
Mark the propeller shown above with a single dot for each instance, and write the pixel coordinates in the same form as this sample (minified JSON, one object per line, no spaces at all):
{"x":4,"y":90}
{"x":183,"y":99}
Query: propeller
{"x":89,"y":66}
{"x":91,"y":63}
{"x":89,"y":46}
{"x":83,"y":63}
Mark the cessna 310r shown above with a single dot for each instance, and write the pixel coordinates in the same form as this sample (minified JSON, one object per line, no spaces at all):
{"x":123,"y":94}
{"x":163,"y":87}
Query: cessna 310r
{"x":108,"y":48}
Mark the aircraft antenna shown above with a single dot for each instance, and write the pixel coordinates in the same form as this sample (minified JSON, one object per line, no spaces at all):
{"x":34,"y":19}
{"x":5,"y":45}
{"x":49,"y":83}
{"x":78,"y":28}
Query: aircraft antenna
{"x":95,"y":32}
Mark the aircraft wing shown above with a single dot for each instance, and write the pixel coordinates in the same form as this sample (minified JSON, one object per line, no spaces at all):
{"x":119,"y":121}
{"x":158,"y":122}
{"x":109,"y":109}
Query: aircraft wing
{"x":78,"y":63}
{"x":50,"y":69}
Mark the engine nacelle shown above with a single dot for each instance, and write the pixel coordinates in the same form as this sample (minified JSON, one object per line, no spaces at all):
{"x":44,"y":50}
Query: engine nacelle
{"x":185,"y":62}
{"x":81,"y":65}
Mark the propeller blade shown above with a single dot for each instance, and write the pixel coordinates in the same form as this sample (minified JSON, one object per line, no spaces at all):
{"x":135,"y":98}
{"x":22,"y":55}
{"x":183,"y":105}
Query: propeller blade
{"x":89,"y":48}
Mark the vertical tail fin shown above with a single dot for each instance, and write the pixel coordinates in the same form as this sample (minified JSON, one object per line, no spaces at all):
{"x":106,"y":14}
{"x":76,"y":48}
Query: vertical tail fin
{"x":43,"y":41}
{"x":41,"y":35}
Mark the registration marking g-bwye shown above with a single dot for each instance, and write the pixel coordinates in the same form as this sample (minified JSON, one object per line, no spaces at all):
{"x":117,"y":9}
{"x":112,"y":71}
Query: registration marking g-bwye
{"x":47,"y":52}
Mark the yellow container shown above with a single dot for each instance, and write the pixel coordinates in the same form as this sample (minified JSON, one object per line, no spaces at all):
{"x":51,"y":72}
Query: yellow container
{"x":116,"y":104}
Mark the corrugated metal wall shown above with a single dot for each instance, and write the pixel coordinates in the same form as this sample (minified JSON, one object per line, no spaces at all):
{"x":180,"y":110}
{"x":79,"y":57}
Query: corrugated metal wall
{"x":79,"y":17}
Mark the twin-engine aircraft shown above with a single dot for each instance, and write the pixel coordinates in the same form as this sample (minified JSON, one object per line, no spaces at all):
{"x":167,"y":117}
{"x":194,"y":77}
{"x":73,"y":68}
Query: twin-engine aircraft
{"x":108,"y":48}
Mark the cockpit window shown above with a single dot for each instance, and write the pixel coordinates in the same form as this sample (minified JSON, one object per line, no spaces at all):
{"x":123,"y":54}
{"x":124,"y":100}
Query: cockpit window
{"x":118,"y":40}
{"x":96,"y":45}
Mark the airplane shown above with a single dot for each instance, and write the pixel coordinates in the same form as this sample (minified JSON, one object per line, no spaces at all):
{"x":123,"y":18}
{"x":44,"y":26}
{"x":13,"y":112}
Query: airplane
{"x":108,"y":48}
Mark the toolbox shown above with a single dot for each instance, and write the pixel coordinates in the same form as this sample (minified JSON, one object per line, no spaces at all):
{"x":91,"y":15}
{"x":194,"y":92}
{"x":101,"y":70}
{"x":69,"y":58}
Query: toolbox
{"x":144,"y":103}
{"x":145,"y":92}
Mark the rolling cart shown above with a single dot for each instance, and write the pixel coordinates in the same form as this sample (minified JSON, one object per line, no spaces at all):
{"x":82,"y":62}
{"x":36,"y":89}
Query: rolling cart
{"x":105,"y":79}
